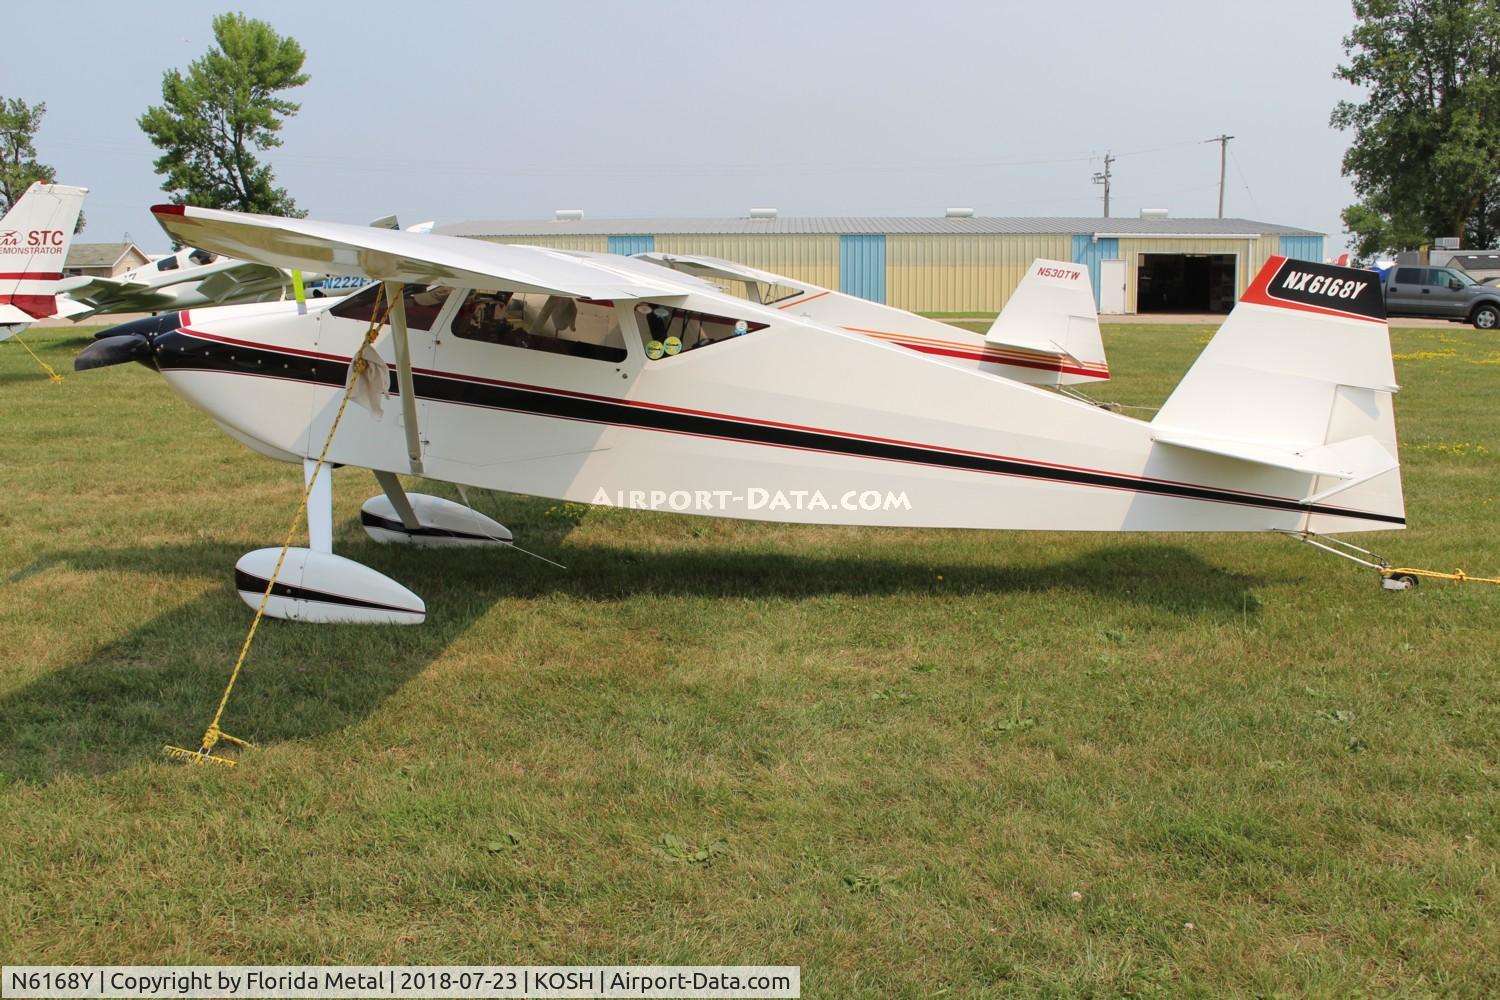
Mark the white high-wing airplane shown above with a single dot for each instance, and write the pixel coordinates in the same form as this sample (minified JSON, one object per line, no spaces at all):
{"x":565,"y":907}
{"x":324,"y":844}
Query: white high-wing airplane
{"x":188,"y":278}
{"x":34,"y":239}
{"x":613,"y":380}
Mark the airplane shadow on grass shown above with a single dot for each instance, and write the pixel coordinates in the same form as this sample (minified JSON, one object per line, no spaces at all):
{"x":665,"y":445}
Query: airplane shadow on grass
{"x":115,"y":707}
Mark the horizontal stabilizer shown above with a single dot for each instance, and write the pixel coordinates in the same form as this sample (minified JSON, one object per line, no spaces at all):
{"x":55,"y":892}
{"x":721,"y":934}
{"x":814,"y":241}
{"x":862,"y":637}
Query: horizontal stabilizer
{"x":1052,"y":312}
{"x":1357,"y":458}
{"x":10,"y":314}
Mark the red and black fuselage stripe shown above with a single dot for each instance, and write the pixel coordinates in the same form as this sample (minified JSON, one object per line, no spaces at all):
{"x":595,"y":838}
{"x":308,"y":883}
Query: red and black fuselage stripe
{"x":189,"y":350}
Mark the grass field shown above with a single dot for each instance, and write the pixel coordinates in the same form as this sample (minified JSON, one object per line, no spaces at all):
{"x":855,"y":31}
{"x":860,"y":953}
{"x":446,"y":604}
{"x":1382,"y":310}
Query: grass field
{"x":891,"y":757}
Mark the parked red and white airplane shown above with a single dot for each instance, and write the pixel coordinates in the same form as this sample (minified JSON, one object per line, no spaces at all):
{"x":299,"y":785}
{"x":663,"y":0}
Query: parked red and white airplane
{"x":613,"y":380}
{"x":34,"y":239}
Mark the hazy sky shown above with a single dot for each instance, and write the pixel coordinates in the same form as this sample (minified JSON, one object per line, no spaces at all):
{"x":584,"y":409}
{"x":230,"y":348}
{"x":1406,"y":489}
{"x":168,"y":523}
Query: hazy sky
{"x":511,"y":110}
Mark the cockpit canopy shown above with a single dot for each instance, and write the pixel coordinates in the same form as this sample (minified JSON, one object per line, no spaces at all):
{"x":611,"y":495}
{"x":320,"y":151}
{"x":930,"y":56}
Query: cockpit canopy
{"x":556,"y":324}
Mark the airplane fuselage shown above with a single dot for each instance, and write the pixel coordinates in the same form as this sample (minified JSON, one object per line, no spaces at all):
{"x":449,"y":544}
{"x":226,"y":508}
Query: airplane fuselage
{"x":789,"y":421}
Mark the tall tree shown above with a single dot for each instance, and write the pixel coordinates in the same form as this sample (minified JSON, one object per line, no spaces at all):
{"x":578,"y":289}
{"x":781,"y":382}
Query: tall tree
{"x":19,"y":168}
{"x":1425,"y":159}
{"x":18,"y":164}
{"x":213,"y":117}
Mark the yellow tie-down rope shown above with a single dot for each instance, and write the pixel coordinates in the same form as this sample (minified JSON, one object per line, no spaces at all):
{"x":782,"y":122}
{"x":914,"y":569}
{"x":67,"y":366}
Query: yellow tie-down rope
{"x":213,"y":734}
{"x":45,"y":367}
{"x":1409,"y":576}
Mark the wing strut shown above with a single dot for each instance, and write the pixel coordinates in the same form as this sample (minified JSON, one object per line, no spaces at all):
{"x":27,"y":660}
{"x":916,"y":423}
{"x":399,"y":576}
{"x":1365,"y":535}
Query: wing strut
{"x":393,"y":295}
{"x":394,"y":492}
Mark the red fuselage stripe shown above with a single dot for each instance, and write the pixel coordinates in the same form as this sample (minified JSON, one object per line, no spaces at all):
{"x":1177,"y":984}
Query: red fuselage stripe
{"x":480,"y":380}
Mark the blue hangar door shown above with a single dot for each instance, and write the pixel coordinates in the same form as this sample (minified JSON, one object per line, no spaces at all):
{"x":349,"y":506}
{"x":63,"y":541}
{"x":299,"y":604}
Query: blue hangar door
{"x":862,"y":267}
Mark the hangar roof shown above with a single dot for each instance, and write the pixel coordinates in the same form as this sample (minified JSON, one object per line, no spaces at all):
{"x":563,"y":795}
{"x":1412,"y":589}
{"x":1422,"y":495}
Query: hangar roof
{"x":99,"y":254}
{"x":1480,"y":261}
{"x":873,"y":225}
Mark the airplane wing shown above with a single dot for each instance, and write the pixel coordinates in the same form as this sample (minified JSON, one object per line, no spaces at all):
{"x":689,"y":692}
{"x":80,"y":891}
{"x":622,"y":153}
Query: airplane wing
{"x":724,"y":270}
{"x":412,"y":258}
{"x":88,"y":296}
{"x":241,"y":280}
{"x":99,"y":290}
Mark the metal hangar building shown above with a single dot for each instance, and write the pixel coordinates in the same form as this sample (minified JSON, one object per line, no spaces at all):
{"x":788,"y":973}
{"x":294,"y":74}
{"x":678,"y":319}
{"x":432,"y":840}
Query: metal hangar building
{"x":958,"y":263}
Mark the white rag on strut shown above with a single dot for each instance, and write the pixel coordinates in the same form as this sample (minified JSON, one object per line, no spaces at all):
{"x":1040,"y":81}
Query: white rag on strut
{"x":371,"y":384}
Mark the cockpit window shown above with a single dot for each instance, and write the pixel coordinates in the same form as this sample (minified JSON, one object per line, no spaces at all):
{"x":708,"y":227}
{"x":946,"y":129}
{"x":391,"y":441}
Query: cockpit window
{"x":667,"y":331}
{"x":202,"y":257}
{"x":538,"y":322}
{"x":168,"y":263}
{"x":423,"y":303}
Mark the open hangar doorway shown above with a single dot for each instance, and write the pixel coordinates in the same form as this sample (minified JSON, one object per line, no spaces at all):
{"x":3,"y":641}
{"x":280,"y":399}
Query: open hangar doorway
{"x":1185,"y":282}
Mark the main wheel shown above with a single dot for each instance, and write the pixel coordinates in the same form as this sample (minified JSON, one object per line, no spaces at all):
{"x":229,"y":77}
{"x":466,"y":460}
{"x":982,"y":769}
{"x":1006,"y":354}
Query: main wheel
{"x":1486,"y":318}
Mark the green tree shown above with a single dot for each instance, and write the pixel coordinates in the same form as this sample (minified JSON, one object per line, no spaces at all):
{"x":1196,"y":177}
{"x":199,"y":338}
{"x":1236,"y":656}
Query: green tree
{"x":19,"y":168}
{"x":213,"y":117}
{"x":18,"y":164}
{"x":1425,"y":159}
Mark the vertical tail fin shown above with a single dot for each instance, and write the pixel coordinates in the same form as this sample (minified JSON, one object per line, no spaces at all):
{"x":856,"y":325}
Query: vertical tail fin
{"x":34,"y":239}
{"x":1299,"y":377}
{"x":1052,"y":311}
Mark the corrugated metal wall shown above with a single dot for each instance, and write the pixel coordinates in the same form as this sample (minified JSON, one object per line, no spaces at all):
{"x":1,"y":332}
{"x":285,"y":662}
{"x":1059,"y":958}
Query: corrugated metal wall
{"x":626,"y":245}
{"x":933,"y":273}
{"x":862,"y":267}
{"x":1251,"y":254}
{"x":813,"y":259}
{"x":1090,"y":251}
{"x":1302,"y":248}
{"x":593,"y":244}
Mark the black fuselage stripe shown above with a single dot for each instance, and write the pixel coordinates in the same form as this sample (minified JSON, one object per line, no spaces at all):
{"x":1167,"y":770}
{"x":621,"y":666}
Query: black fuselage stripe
{"x":248,"y":583}
{"x":205,"y":355}
{"x":426,"y":531}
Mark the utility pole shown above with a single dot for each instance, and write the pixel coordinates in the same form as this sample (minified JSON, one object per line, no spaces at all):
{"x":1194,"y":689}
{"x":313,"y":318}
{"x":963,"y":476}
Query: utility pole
{"x":1223,"y":141}
{"x":1102,"y":177}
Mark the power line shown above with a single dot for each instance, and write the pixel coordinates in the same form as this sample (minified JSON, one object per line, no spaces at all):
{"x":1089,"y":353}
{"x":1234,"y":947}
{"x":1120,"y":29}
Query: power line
{"x":1246,"y":182}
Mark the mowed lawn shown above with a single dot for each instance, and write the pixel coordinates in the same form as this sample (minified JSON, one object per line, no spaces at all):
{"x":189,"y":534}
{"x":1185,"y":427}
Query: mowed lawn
{"x":890,"y":757}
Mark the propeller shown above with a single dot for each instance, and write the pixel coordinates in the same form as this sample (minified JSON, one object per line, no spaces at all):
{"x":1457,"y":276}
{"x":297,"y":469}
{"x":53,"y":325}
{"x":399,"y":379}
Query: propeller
{"x":113,"y":351}
{"x":131,"y":341}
